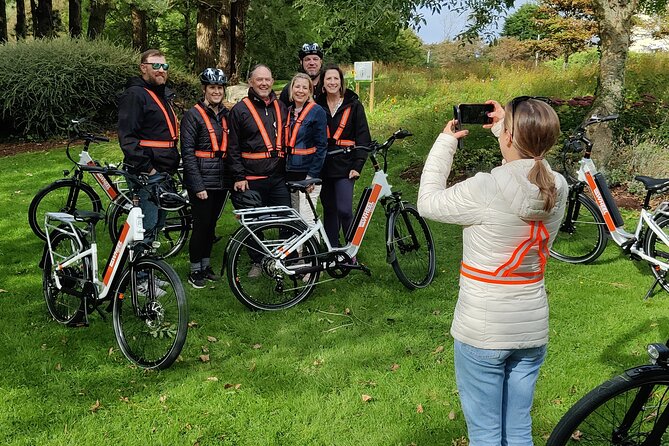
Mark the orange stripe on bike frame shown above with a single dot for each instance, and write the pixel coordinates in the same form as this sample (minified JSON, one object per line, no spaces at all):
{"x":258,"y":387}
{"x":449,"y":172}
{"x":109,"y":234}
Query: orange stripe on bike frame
{"x":117,"y":253}
{"x":599,"y":200}
{"x":367,"y":215}
{"x":104,"y":182}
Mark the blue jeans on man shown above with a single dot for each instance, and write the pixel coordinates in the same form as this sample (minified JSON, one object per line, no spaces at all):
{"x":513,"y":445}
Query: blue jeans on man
{"x":496,"y":390}
{"x":154,"y":217}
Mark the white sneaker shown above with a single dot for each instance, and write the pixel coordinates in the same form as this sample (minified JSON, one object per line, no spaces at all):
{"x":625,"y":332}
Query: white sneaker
{"x":143,"y":289}
{"x":255,"y":271}
{"x":160,"y":283}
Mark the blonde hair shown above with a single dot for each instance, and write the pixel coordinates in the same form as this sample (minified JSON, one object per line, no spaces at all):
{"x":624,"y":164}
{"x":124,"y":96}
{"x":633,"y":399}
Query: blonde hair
{"x":535,"y":129}
{"x":301,"y":76}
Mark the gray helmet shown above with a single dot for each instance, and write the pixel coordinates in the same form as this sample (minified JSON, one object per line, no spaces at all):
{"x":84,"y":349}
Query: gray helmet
{"x":213,"y":76}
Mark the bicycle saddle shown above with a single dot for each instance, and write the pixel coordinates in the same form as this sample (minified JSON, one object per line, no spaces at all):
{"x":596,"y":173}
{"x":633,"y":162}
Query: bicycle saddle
{"x":88,"y":216}
{"x":653,"y":184}
{"x":302,"y":184}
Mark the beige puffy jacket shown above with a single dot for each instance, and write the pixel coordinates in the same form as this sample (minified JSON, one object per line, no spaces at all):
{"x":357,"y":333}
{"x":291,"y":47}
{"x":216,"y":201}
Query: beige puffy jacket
{"x":497,"y":210}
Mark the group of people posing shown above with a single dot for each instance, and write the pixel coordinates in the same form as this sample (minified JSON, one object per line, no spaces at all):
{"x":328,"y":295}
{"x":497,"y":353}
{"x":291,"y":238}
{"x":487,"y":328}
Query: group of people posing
{"x":510,"y":215}
{"x":250,"y":150}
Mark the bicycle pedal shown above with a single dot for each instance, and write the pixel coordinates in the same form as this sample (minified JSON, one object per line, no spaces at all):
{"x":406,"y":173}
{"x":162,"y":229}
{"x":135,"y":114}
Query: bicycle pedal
{"x":627,"y":245}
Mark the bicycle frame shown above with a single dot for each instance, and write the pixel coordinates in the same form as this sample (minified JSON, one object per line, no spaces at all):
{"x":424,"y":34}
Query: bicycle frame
{"x":133,"y":231}
{"x":105,"y":182}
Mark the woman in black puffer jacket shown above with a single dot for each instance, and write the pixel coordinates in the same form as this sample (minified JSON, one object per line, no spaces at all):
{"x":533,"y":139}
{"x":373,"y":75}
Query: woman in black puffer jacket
{"x":204,"y":143}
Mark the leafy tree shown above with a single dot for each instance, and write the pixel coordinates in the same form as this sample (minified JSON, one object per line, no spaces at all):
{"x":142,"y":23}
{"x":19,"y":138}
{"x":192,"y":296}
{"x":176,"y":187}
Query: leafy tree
{"x":566,"y":26}
{"x":522,"y":24}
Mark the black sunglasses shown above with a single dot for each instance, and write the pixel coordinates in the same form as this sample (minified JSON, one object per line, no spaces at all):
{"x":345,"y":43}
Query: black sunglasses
{"x":157,"y":65}
{"x":519,"y":99}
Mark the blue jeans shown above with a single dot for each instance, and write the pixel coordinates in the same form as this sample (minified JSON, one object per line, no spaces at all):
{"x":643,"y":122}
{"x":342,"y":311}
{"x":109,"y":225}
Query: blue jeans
{"x":496,"y":390}
{"x":154,"y":217}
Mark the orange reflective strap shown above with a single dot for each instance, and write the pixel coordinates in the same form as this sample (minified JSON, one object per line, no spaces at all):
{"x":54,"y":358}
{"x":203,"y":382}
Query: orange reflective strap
{"x":255,"y":177}
{"x":507,"y":273}
{"x":342,"y":123}
{"x":308,"y":151}
{"x":173,"y":127}
{"x":215,"y":146}
{"x":345,"y":143}
{"x":256,"y":155}
{"x":261,"y":125}
{"x":156,"y":144}
{"x":290,"y":140}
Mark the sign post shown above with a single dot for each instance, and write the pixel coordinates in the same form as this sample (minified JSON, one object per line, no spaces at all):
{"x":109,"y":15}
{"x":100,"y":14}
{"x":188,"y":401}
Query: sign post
{"x":364,"y":72}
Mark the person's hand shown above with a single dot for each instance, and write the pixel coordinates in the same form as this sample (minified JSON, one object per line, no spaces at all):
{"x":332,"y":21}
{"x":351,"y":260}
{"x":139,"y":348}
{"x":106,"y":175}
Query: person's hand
{"x":449,"y":129}
{"x":497,"y":114}
{"x":152,"y":172}
{"x":202,"y":195}
{"x":353,"y":174}
{"x":241,"y":186}
{"x":310,"y":188}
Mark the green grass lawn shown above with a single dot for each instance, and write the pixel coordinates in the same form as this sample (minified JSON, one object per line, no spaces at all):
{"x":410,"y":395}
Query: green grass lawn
{"x":297,"y":377}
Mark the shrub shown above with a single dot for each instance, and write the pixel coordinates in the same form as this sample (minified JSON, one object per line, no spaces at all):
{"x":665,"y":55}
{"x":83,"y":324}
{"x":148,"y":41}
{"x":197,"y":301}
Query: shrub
{"x":46,"y":83}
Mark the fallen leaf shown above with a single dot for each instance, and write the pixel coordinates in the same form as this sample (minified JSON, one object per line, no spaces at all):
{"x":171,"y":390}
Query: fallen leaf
{"x":125,"y":399}
{"x":419,"y":408}
{"x":162,"y":398}
{"x":205,"y":349}
{"x":227,"y":385}
{"x":211,"y":339}
{"x":451,"y":415}
{"x":17,"y":191}
{"x":318,"y":362}
{"x":439,"y":349}
{"x":366,"y":398}
{"x":110,"y":351}
{"x":204,"y":358}
{"x":96,"y":406}
{"x":188,"y":426}
{"x":237,"y":386}
{"x":576,"y":435}
{"x":557,"y":401}
{"x":436,"y":312}
{"x":58,"y":367}
{"x":3,"y":291}
{"x":192,"y":324}
{"x":252,"y":367}
{"x":394,"y":367}
{"x":29,"y":174}
{"x":212,"y":378}
{"x":347,"y":311}
{"x":257,"y":346}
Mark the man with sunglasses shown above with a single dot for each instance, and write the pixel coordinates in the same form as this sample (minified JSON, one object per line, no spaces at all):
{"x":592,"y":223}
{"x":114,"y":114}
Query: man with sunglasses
{"x":311,"y":63}
{"x":148,"y":132}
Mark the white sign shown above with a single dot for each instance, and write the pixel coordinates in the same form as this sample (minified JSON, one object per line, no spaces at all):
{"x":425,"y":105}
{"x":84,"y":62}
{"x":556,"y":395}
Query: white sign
{"x":364,"y":71}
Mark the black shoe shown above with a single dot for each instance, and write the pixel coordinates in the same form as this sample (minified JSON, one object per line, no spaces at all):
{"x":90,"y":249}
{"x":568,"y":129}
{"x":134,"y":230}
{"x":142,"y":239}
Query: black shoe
{"x":196,"y":279}
{"x":210,"y":275}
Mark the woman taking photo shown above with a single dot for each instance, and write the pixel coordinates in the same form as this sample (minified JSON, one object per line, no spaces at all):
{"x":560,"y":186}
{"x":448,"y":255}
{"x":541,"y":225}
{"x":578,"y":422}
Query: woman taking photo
{"x":510,"y":218}
{"x":347,"y":127}
{"x":204,"y":143}
{"x":305,"y":142}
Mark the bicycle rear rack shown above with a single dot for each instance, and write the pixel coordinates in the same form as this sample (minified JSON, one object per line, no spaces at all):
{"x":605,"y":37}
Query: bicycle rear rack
{"x":267,"y":214}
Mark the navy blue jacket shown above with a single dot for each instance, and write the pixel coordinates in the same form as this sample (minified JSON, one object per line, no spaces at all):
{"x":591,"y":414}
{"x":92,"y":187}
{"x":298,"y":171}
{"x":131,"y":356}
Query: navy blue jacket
{"x":312,"y":133}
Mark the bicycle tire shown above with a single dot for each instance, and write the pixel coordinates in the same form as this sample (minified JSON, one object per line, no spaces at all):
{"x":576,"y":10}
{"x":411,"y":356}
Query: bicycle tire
{"x":582,"y":235}
{"x":654,"y":247}
{"x":411,"y":247}
{"x":624,"y":410}
{"x":153,"y":333}
{"x":56,"y":198}
{"x":172,"y":237}
{"x":63,"y":307}
{"x":271,"y":290}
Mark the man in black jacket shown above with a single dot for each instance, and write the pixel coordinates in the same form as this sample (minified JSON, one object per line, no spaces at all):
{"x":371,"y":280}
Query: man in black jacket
{"x":311,"y":62}
{"x":148,"y":133}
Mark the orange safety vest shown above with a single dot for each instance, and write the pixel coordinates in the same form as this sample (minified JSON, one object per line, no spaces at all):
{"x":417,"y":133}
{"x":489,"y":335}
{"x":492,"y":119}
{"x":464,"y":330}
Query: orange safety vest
{"x":340,"y":129}
{"x":172,"y":126}
{"x":216,"y":148}
{"x":290,"y":140}
{"x":271,"y":148}
{"x":507,"y":273}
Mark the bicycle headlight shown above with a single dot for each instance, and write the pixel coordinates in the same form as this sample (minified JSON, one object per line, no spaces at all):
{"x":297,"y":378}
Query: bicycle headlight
{"x":659,"y":353}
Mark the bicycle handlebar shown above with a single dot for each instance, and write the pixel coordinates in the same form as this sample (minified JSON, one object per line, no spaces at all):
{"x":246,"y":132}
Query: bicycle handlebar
{"x":375,"y":146}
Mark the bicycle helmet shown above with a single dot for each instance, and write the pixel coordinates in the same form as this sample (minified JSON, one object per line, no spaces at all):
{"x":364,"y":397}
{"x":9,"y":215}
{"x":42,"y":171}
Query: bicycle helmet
{"x":213,"y":76}
{"x":310,"y":48}
{"x":167,"y":196}
{"x":247,"y":199}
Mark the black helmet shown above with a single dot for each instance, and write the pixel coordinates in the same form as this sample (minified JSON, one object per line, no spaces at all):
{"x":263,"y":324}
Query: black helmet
{"x":213,"y":76}
{"x":247,"y":199}
{"x":310,"y":48}
{"x":167,"y":196}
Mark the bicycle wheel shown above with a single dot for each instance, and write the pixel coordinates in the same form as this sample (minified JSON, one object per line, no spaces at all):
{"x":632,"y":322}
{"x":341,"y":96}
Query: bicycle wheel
{"x":411,"y":248}
{"x":253,"y":275}
{"x":655,"y":247}
{"x":62,"y":304}
{"x":61,"y":196}
{"x":150,"y":314}
{"x":172,"y":237}
{"x":582,"y":234}
{"x":630,"y":409}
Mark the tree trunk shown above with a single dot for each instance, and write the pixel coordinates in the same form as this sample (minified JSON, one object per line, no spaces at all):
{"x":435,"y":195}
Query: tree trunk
{"x":20,"y":27}
{"x":97,"y":18}
{"x":3,"y":21}
{"x":139,"y":31}
{"x":205,"y":37}
{"x":74,"y":21}
{"x":186,"y":33}
{"x":224,"y":34}
{"x":44,"y":19}
{"x":238,"y":35}
{"x":614,"y":18}
{"x":33,"y":16}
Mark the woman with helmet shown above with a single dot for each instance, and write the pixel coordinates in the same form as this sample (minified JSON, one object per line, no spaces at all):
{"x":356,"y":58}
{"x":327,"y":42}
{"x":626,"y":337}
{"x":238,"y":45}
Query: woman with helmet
{"x":305,"y":142}
{"x":311,"y":61}
{"x":510,"y":217}
{"x":204,"y":144}
{"x":347,"y":127}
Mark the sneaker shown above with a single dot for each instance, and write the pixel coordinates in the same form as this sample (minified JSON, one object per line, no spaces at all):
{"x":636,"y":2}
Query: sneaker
{"x":209,"y":274}
{"x":143,"y":289}
{"x":196,"y":279}
{"x":160,"y":283}
{"x":255,"y":271}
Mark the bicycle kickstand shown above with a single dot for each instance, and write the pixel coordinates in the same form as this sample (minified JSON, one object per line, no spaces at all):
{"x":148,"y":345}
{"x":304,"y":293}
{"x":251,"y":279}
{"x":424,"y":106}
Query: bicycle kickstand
{"x":651,"y":290}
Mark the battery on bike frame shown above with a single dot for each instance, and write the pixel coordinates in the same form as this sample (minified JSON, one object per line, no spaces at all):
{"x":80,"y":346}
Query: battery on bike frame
{"x":608,"y":199}
{"x":358,"y":213}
